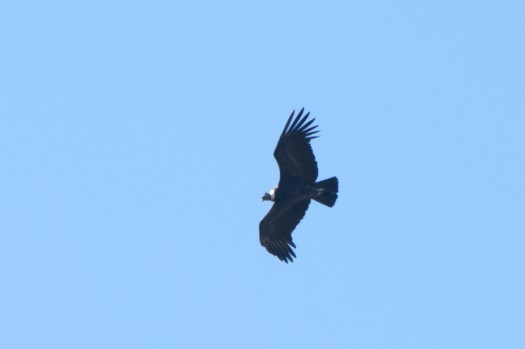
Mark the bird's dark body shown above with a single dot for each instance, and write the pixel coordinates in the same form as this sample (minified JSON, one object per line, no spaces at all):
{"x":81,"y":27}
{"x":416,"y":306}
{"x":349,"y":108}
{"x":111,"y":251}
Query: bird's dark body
{"x":297,"y":187}
{"x":293,"y":189}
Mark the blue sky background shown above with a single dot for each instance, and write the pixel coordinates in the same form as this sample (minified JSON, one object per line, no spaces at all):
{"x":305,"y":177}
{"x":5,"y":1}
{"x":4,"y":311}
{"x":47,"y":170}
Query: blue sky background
{"x":136,"y":140}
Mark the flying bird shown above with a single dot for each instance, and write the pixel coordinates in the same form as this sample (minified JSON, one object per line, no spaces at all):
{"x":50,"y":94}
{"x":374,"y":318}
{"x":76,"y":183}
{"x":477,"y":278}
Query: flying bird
{"x":297,"y":187}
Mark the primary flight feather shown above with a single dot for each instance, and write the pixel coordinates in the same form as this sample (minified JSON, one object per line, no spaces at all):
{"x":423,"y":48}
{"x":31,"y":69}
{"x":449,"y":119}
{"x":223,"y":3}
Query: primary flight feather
{"x":297,"y":187}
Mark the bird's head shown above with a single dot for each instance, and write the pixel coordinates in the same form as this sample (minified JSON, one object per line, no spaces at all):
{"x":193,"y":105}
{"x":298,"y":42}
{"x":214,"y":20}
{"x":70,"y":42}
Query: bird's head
{"x":269,"y":196}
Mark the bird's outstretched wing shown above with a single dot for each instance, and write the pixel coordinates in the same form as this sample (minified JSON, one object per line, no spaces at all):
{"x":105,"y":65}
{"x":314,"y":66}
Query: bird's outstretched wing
{"x":293,"y":153}
{"x":275,"y":230}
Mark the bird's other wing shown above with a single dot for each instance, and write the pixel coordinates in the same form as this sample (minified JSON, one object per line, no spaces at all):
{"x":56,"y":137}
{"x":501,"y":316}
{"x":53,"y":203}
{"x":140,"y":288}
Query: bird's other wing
{"x":293,"y":153}
{"x":275,"y":230}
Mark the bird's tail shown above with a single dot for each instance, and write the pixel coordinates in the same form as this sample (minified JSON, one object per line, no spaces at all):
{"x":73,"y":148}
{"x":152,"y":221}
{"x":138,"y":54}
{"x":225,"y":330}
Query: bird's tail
{"x":327,"y":191}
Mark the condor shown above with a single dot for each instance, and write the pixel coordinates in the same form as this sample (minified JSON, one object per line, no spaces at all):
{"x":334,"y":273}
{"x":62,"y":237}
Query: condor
{"x":297,"y":187}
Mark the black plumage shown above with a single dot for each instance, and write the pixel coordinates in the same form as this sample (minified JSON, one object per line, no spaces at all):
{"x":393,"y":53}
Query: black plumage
{"x":297,"y":186}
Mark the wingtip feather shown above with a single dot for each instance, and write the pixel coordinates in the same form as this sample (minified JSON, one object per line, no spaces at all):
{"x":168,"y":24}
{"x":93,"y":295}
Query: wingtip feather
{"x":285,"y":129}
{"x":300,"y":126}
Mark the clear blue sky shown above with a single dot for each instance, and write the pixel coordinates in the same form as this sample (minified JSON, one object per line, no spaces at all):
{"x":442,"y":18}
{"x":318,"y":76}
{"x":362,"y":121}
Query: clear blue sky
{"x":136,"y":140}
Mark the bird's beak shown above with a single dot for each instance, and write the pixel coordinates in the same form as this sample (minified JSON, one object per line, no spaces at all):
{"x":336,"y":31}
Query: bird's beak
{"x":266,"y":196}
